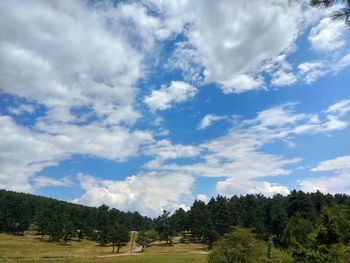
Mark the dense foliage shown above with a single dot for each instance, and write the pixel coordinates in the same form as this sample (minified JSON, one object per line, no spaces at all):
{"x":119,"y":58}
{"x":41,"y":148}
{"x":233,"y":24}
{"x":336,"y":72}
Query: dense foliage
{"x":313,"y":227}
{"x":62,"y":220}
{"x":239,"y":245}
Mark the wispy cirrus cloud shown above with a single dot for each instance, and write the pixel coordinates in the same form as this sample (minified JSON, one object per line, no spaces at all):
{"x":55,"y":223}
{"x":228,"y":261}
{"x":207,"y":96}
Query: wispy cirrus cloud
{"x":209,"y":120}
{"x":239,"y":157}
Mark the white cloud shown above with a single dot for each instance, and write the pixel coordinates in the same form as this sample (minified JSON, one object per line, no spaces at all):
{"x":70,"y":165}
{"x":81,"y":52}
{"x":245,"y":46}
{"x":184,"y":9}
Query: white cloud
{"x":221,"y":37}
{"x":209,"y":119}
{"x":239,"y":154}
{"x":177,"y":92}
{"x":334,"y":123}
{"x":341,"y":108}
{"x":164,"y":150}
{"x":202,"y":197}
{"x":327,"y":184}
{"x":336,"y":182}
{"x":24,"y":108}
{"x":231,"y":187}
{"x":104,"y":64}
{"x":327,"y":35}
{"x":114,"y":143}
{"x":90,"y":59}
{"x":282,"y":78}
{"x":25,"y":151}
{"x":339,"y":163}
{"x":42,"y":181}
{"x":158,"y":121}
{"x":86,"y":59}
{"x":242,"y":83}
{"x":148,"y":194}
{"x":312,"y":70}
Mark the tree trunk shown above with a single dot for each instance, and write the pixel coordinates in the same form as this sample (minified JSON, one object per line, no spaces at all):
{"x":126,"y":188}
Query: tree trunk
{"x":118,"y":248}
{"x":113,"y":247}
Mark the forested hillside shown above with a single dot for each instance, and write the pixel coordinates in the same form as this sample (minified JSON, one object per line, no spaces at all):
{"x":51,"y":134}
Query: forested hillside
{"x":62,"y":220}
{"x":308,"y":224}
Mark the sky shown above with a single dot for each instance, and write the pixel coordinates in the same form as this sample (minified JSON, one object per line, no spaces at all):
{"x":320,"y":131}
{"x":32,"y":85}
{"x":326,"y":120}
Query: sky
{"x":148,"y":105}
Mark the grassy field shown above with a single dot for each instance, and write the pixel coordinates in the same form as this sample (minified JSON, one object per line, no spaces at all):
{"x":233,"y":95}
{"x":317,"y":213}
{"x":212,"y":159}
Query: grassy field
{"x":145,"y":258}
{"x":31,"y":248}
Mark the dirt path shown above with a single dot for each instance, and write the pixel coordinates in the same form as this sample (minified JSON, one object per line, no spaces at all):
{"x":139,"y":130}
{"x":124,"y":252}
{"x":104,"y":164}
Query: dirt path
{"x":137,"y":252}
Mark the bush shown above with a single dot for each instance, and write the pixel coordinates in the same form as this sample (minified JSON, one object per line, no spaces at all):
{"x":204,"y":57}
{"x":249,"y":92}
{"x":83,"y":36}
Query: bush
{"x":240,"y":245}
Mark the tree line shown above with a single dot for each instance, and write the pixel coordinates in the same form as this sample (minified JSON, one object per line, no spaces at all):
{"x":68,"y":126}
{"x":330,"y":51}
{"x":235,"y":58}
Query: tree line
{"x":62,"y":221}
{"x":312,"y":227}
{"x":309,"y":225}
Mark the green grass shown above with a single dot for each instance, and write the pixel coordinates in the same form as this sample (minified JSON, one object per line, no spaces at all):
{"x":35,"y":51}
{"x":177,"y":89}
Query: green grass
{"x":144,"y":258}
{"x":30,"y":248}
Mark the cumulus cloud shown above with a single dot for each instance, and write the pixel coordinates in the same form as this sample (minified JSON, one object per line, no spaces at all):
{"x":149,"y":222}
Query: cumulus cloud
{"x":312,"y":70}
{"x":337,"y":182}
{"x":81,"y":63}
{"x":148,"y":194}
{"x":26,"y":152}
{"x":40,"y":38}
{"x":177,"y":92}
{"x":282,"y":78}
{"x":224,"y":43}
{"x":231,"y":187}
{"x":327,"y":184}
{"x":242,"y":83}
{"x":327,"y":36}
{"x":202,"y":197}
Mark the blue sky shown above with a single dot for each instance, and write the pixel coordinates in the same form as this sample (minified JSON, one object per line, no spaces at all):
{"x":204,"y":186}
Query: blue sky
{"x":148,"y":105}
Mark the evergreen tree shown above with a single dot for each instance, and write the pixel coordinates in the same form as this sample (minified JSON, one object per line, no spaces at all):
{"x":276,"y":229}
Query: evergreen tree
{"x":200,"y":224}
{"x":119,"y":236}
{"x":341,"y":14}
{"x":278,"y":217}
{"x":220,"y":215}
{"x":164,"y":227}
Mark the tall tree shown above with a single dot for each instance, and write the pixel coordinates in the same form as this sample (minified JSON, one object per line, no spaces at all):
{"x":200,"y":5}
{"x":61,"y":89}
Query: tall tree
{"x":179,"y":220}
{"x":164,"y":227}
{"x":220,"y":215}
{"x":278,"y":217}
{"x":119,"y":236}
{"x":200,"y":224}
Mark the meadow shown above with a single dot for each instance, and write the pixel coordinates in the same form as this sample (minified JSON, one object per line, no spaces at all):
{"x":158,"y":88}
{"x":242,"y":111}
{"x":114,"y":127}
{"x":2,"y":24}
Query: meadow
{"x":31,"y":248}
